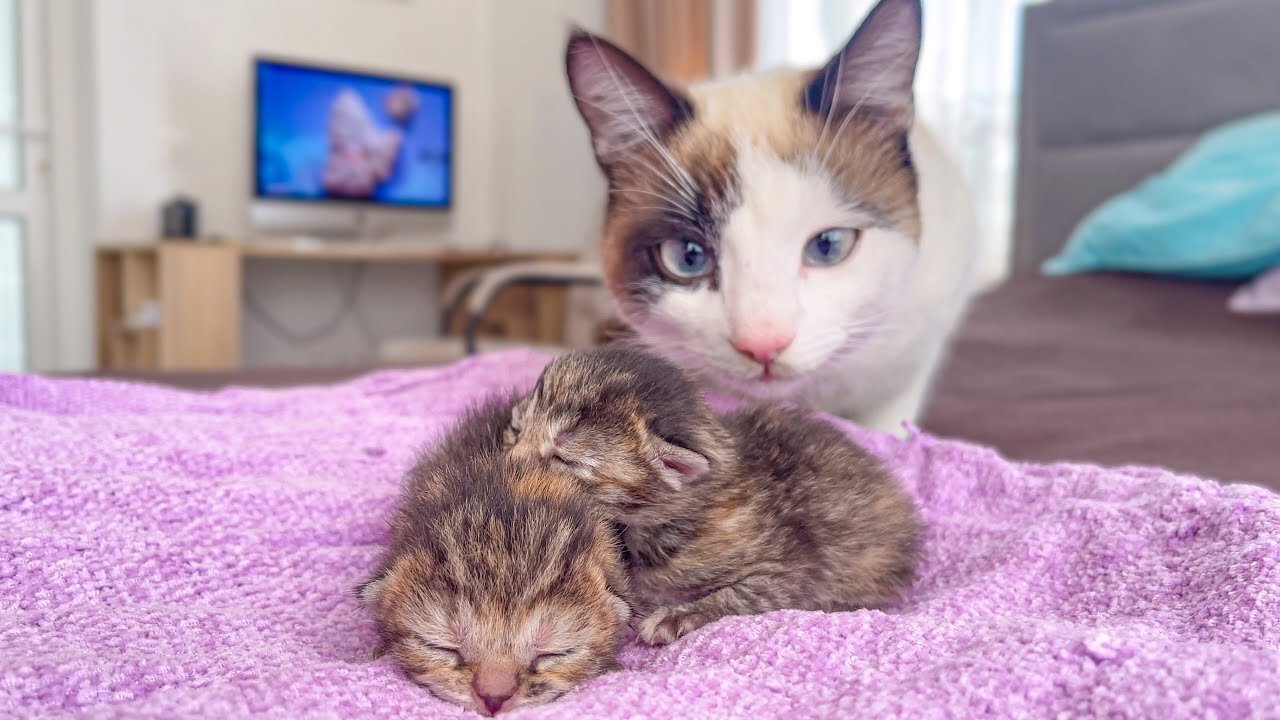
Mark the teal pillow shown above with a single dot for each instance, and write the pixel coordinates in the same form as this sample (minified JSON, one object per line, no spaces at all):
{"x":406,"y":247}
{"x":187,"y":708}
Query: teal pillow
{"x":1214,"y":213}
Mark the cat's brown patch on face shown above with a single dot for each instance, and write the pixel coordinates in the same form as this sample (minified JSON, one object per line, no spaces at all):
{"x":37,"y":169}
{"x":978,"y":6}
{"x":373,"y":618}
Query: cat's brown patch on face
{"x":866,"y":158}
{"x":870,"y":165}
{"x":650,"y":201}
{"x":866,"y":161}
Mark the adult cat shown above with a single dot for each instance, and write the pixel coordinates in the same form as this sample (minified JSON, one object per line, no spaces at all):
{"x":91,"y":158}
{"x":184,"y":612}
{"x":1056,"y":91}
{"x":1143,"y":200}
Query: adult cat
{"x":787,"y":234}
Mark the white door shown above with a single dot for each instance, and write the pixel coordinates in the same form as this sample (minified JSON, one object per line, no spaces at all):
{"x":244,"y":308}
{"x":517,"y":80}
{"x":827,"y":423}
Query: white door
{"x":26,"y":306}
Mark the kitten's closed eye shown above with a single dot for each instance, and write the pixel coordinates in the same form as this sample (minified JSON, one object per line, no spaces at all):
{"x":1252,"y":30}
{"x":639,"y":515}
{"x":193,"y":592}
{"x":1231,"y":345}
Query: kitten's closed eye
{"x":559,"y":448}
{"x":443,"y":653}
{"x":549,"y":659}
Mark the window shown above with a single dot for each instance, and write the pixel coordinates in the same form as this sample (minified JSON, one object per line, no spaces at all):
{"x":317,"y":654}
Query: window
{"x":966,"y":88}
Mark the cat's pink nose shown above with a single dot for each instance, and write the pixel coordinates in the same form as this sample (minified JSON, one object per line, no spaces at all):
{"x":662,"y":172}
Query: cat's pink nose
{"x":764,"y":348}
{"x":494,"y":689}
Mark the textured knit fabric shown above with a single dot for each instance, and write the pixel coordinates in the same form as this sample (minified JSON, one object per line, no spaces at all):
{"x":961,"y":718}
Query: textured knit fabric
{"x":168,"y":554}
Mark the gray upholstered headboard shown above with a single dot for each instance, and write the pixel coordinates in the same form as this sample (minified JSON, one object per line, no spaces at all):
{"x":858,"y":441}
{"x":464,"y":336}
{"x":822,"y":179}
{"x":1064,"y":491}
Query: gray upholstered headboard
{"x":1112,"y":90}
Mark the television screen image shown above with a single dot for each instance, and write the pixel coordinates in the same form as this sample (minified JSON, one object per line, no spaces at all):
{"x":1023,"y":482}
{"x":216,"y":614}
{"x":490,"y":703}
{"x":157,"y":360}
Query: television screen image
{"x":334,"y":135}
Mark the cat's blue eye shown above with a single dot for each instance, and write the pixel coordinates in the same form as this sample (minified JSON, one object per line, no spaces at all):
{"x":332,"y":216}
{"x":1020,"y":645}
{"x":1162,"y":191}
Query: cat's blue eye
{"x":684,"y":259}
{"x":830,"y":247}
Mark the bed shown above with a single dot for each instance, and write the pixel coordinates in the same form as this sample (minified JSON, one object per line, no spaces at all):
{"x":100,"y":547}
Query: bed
{"x":169,"y":553}
{"x":1109,"y":368}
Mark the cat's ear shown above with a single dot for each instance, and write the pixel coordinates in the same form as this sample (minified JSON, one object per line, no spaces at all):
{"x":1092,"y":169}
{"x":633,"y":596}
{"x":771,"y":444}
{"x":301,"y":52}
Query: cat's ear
{"x":678,"y":465}
{"x":874,"y":72}
{"x":623,"y":104}
{"x":370,"y":592}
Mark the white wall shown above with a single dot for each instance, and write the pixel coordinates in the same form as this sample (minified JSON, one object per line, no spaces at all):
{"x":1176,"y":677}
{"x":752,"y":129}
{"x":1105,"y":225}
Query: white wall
{"x":72,"y":188}
{"x":550,"y":191}
{"x":174,"y":93}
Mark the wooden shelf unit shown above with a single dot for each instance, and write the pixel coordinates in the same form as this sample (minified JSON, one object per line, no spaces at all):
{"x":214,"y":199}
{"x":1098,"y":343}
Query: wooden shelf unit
{"x":197,"y":286}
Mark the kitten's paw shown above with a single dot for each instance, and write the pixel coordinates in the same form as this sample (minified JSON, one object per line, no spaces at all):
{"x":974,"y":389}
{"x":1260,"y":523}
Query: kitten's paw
{"x":668,"y":624}
{"x":509,"y":437}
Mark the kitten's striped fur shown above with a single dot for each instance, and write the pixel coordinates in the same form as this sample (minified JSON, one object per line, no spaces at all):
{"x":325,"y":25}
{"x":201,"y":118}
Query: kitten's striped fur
{"x":503,"y":585}
{"x":766,"y":509}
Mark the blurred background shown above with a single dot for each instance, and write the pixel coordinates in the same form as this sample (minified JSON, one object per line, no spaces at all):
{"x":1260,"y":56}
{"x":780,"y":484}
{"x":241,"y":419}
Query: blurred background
{"x":111,"y":109}
{"x":205,"y":192}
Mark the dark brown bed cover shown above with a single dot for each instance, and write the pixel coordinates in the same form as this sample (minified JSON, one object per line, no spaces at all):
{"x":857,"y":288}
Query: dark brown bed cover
{"x":1117,"y":369}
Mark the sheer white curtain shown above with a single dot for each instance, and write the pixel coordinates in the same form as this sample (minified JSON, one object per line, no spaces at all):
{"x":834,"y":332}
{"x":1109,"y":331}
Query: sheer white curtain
{"x":966,"y":87}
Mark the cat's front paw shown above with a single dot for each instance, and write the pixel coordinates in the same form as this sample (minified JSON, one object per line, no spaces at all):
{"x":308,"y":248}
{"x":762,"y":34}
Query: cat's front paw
{"x":668,"y":624}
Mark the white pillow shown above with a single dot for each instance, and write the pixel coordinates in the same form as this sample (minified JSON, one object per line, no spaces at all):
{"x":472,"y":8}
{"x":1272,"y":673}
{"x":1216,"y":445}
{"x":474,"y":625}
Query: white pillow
{"x":1261,"y":295}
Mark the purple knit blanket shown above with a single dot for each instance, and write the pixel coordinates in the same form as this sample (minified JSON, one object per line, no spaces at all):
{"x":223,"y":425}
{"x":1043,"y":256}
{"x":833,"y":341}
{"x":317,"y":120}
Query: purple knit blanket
{"x":169,"y":554}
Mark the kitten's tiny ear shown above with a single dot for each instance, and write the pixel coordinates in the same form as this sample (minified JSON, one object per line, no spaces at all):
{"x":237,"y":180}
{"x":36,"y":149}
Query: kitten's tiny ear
{"x":371,"y":591}
{"x":678,"y":466}
{"x":874,"y":71}
{"x":622,"y":103}
{"x":519,"y":419}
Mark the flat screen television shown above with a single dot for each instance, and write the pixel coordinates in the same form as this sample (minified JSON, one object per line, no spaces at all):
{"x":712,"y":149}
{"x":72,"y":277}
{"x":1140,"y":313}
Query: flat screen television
{"x":325,"y":135}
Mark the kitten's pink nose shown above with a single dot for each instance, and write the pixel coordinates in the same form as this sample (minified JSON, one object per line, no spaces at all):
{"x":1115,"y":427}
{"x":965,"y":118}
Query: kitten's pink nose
{"x":493,"y":703}
{"x":494,"y":688}
{"x":763,"y":348}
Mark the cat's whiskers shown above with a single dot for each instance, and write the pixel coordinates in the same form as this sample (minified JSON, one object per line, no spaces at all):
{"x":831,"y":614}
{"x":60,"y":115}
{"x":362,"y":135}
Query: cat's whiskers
{"x":875,"y":85}
{"x":837,"y":347}
{"x":827,"y":347}
{"x":881,"y":313}
{"x":658,"y":335}
{"x":864,"y":328}
{"x":672,"y":183}
{"x":681,"y":182}
{"x":831,"y":105}
{"x":625,"y":91}
{"x":675,"y":184}
{"x":671,"y":203}
{"x":684,"y":221}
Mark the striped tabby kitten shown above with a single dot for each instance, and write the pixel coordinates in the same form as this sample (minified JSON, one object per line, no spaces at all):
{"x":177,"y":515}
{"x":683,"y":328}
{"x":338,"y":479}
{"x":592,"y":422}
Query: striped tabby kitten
{"x":787,"y":235}
{"x":766,"y":510}
{"x":503,"y":586}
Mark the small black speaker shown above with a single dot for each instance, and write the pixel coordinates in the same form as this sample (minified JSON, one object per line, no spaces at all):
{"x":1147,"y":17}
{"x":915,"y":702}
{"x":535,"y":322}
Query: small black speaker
{"x":179,"y":218}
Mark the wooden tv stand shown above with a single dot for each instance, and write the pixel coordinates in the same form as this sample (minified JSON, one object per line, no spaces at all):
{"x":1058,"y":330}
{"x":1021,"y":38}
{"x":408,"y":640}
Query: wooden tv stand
{"x":194,"y":291}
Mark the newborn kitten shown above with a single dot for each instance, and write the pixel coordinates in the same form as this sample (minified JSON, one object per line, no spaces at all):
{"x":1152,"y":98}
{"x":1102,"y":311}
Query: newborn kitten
{"x":503,"y":585}
{"x":766,"y":510}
